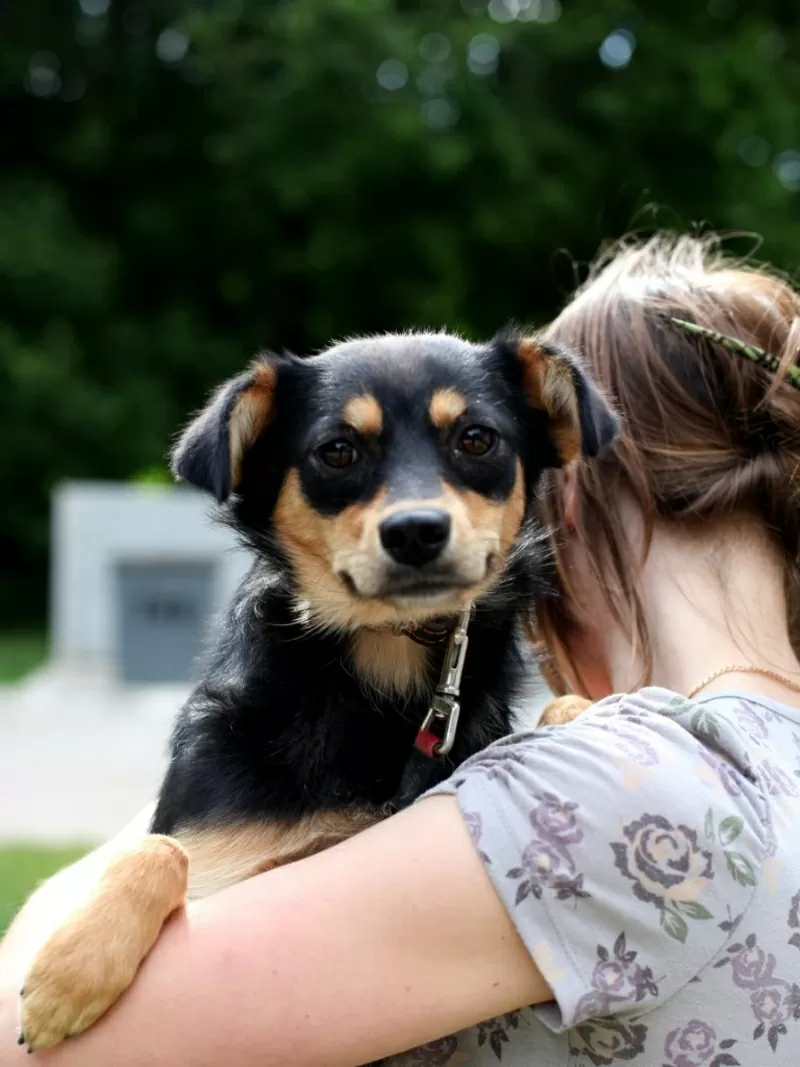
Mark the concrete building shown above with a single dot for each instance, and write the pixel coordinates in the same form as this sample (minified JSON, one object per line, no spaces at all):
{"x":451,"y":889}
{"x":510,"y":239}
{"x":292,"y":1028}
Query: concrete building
{"x":137,"y":573}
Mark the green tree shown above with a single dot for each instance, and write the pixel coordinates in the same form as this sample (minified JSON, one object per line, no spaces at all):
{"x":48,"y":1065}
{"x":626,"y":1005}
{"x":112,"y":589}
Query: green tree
{"x":184,"y":183}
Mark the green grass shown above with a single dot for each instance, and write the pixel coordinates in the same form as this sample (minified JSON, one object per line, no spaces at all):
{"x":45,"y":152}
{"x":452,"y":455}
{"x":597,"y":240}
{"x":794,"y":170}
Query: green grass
{"x":20,"y":653}
{"x":22,"y":868}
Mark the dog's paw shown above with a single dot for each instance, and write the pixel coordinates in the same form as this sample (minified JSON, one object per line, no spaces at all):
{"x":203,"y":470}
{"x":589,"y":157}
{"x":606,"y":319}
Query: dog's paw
{"x":76,"y":977}
{"x":563,"y":710}
{"x":89,"y":962}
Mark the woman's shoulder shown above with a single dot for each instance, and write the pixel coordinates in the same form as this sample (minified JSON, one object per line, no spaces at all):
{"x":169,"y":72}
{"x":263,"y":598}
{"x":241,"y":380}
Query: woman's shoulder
{"x":751,"y":743}
{"x":637,"y":833}
{"x":654,"y":722}
{"x":651,"y":727}
{"x":652,"y":755}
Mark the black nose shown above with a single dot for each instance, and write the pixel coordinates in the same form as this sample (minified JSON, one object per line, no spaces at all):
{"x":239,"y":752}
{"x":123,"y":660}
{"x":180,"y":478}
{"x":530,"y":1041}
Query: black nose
{"x":415,"y":537}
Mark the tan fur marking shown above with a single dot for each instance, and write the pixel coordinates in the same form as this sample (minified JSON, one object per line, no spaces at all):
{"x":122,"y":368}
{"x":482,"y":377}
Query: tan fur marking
{"x":503,"y":518}
{"x":563,"y":710}
{"x":549,"y":386}
{"x":446,"y":406}
{"x":227,"y":855}
{"x":93,"y":957}
{"x":364,"y":415}
{"x":319,"y":546}
{"x":390,"y":662}
{"x":322,"y":549}
{"x":251,"y":415}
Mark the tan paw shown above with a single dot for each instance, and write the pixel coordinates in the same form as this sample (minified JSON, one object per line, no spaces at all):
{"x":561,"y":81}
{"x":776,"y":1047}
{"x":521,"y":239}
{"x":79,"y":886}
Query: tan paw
{"x":74,"y":979}
{"x":83,"y":969}
{"x":563,"y":710}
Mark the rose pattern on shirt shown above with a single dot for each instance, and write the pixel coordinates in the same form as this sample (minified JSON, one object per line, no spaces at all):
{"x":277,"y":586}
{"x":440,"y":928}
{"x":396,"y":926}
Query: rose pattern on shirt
{"x":495,"y":1032}
{"x":617,"y":979}
{"x":725,"y":834}
{"x":547,"y":862}
{"x":608,"y":1040}
{"x":435,"y":1053}
{"x":777,"y":781}
{"x":709,"y":726}
{"x":499,"y":762}
{"x":773,"y":1000}
{"x":701,"y":720}
{"x":565,"y":849}
{"x":630,"y":738}
{"x":730,"y":778}
{"x":474,"y":824}
{"x":695,"y":1045}
{"x":668,"y":868}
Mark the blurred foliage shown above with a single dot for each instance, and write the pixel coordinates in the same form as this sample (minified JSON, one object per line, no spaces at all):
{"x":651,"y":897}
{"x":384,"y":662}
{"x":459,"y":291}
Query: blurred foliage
{"x":23,"y":868}
{"x":186,"y":182}
{"x":20,"y":653}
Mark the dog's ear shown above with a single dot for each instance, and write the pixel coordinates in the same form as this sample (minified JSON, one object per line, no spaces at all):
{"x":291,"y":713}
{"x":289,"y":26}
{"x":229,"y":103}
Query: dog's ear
{"x":210,"y":450}
{"x":580,"y":421}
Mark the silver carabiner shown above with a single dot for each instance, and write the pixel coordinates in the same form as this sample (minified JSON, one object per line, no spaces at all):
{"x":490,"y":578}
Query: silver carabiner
{"x":444,"y":707}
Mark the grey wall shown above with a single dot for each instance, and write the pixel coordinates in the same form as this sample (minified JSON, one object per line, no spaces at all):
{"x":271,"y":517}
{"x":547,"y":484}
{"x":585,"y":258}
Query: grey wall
{"x":99,"y":529}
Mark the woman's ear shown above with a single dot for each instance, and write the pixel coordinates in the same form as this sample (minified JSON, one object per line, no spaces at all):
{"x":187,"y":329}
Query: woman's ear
{"x":210,"y":451}
{"x":579,"y":420}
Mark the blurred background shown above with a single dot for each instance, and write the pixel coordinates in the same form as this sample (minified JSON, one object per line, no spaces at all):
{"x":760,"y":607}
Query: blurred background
{"x":183,"y":183}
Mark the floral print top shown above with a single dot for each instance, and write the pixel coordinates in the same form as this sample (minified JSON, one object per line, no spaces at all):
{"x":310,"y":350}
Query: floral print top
{"x":649,"y":854}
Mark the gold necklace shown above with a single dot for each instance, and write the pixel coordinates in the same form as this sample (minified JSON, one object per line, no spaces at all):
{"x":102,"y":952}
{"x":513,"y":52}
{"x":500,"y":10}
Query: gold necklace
{"x":774,"y":675}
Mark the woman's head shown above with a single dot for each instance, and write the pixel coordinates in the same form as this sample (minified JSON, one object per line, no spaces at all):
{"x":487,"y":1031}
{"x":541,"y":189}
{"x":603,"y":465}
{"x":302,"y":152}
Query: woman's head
{"x":707,"y":434}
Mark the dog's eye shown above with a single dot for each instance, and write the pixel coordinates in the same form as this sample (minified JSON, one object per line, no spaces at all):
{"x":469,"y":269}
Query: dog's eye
{"x":339,"y":454}
{"x":476,"y":440}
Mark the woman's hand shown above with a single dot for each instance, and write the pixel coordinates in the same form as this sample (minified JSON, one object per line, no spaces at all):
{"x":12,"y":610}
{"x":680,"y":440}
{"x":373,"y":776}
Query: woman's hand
{"x":392,"y":939}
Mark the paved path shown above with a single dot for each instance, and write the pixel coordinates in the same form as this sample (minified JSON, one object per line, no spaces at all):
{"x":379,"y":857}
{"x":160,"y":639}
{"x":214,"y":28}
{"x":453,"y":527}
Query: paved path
{"x":80,"y":756}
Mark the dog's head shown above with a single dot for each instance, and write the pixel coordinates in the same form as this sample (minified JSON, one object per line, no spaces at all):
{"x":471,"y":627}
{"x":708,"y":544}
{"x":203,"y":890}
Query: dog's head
{"x":391,"y":476}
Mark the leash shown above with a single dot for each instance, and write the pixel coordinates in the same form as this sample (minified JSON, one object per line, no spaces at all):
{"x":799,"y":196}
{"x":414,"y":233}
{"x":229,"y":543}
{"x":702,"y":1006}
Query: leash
{"x":436,"y":736}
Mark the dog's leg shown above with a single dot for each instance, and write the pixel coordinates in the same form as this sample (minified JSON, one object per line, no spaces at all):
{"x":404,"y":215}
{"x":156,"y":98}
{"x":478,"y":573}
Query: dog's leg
{"x":88,"y":963}
{"x":224,"y":855}
{"x":92,"y":958}
{"x":563,"y":710}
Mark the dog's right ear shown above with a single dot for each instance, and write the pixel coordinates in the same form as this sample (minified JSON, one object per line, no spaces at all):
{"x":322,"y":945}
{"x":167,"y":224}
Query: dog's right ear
{"x":210,"y":451}
{"x":580,"y":421}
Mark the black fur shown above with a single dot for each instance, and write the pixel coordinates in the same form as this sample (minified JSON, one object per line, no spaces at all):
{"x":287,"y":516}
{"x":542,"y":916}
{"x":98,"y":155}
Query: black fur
{"x":281,"y":725}
{"x":203,"y":456}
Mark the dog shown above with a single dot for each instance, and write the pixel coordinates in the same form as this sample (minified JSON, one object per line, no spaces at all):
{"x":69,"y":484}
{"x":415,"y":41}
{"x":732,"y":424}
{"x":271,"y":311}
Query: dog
{"x":386,"y":488}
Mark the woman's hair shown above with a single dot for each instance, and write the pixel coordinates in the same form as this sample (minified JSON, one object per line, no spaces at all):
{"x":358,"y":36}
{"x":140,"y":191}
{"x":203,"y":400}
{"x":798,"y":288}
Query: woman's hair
{"x":706,"y":434}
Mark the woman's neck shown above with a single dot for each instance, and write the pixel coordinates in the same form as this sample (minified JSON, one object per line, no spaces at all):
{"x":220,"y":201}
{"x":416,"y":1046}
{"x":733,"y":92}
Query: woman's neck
{"x":711,"y":601}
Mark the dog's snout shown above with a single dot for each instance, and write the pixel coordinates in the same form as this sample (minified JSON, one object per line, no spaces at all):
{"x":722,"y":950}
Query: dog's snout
{"x":415,"y":537}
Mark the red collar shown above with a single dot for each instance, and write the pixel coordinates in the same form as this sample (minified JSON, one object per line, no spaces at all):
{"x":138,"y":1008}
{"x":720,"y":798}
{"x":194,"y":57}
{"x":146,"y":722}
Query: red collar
{"x":432,"y":631}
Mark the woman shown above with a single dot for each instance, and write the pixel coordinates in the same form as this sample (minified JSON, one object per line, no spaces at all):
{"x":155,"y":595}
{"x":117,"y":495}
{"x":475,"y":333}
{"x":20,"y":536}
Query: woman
{"x":624,"y":888}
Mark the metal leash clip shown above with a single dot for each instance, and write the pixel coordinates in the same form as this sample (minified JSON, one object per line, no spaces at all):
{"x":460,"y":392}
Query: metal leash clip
{"x":438,"y":731}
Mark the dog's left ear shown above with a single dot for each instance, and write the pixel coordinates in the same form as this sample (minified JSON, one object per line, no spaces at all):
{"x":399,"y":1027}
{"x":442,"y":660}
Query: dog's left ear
{"x":580,"y":421}
{"x":210,"y":451}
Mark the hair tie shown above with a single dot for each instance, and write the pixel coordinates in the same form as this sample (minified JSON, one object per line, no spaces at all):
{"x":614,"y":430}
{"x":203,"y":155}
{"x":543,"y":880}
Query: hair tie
{"x":735,"y":344}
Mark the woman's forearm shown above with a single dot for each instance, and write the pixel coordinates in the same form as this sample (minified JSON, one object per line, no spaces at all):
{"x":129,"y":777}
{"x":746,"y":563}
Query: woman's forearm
{"x":387,"y":941}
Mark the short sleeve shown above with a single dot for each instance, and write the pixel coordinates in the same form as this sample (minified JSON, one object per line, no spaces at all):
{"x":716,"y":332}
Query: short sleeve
{"x":623,"y":855}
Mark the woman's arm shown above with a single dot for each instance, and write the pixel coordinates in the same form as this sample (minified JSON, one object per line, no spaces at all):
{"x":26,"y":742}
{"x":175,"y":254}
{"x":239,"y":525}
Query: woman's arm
{"x":392,"y":939}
